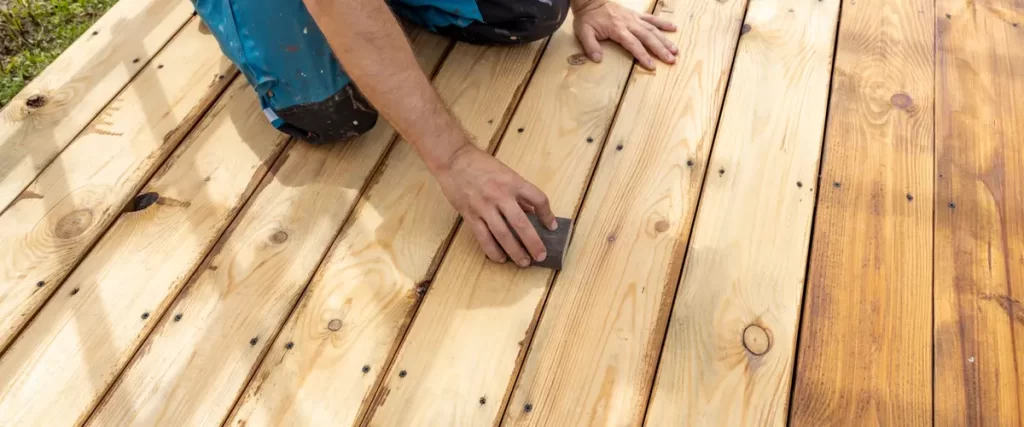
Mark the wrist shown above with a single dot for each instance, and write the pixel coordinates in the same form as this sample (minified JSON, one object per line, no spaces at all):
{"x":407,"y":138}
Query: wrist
{"x":585,"y":5}
{"x":444,"y":156}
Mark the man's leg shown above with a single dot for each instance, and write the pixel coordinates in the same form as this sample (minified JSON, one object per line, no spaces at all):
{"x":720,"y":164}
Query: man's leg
{"x":280,"y":50}
{"x":495,"y":22}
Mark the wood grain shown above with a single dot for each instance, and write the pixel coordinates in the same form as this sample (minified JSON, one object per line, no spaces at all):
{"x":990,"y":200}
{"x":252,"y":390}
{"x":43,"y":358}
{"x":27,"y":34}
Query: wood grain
{"x":865,"y":346}
{"x":61,"y":215}
{"x":728,"y":357}
{"x":471,"y":331}
{"x":349,"y":322}
{"x":78,"y":84}
{"x":86,"y":334}
{"x":591,"y":362}
{"x":979,"y":242}
{"x":248,"y":287}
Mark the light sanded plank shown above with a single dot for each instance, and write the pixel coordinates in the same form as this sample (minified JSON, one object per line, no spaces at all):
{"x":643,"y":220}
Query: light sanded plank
{"x":865,"y":339}
{"x":468,"y":337}
{"x":979,"y":244}
{"x":83,"y":337}
{"x":593,"y":357}
{"x":41,"y":120}
{"x":62,"y":214}
{"x":248,"y":288}
{"x":728,"y":356}
{"x":367,"y":284}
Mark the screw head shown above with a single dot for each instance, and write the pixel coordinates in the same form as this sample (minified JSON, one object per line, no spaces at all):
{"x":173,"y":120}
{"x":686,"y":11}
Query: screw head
{"x":177,"y":317}
{"x":366,"y":368}
{"x":910,"y":197}
{"x":590,"y":139}
{"x":145,"y":315}
{"x":799,"y":184}
{"x":528,"y":407}
{"x":836,"y":184}
{"x":520,"y":130}
{"x":483,"y":400}
{"x":952,"y":205}
{"x":253,"y":341}
{"x":689,"y":163}
{"x":289,"y":345}
{"x":40,"y":284}
{"x":402,"y":374}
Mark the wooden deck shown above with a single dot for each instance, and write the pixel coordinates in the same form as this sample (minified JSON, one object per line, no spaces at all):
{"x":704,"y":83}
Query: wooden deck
{"x":816,"y":217}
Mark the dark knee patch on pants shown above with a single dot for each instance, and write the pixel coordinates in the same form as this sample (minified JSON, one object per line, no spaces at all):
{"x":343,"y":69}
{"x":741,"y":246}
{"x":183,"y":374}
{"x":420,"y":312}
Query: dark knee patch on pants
{"x":341,"y":117}
{"x":511,"y":22}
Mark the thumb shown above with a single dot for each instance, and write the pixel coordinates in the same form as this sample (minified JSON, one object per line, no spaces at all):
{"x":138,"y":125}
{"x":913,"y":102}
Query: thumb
{"x":588,"y":38}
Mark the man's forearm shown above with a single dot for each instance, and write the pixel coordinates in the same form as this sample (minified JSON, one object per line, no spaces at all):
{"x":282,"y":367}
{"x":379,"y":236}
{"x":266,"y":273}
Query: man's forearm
{"x":375,"y":53}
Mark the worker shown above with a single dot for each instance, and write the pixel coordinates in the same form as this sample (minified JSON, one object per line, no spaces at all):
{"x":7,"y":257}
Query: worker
{"x":322,"y":70}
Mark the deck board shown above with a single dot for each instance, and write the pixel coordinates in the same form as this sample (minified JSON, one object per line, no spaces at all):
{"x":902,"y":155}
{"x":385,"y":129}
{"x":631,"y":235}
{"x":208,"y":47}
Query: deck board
{"x":391,"y":245}
{"x":248,"y":287}
{"x":469,"y":336}
{"x":82,"y":339}
{"x":613,"y":297}
{"x":732,"y":337}
{"x":69,"y":93}
{"x":865,"y":345}
{"x":58,"y":218}
{"x":979,"y":244}
{"x":325,"y":257}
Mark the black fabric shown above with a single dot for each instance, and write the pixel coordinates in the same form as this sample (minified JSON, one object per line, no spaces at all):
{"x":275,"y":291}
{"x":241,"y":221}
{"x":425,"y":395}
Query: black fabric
{"x":511,"y":22}
{"x":343,"y":116}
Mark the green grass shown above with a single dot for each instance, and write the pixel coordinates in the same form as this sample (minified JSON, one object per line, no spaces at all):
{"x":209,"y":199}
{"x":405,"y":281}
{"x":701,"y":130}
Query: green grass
{"x":34,"y":32}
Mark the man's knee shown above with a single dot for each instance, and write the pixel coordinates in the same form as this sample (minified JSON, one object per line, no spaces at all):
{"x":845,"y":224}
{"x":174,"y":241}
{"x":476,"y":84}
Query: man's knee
{"x":341,"y":117}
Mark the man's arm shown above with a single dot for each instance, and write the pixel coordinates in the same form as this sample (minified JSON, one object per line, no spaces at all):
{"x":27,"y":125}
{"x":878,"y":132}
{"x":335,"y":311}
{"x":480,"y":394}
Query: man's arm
{"x":375,"y":53}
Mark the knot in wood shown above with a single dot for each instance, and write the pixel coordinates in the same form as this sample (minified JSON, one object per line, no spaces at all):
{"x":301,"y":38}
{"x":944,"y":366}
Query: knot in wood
{"x":279,"y":237}
{"x":36,"y":101}
{"x":142,"y":201}
{"x":756,"y":340}
{"x":661,"y":226}
{"x":577,"y":59}
{"x":73,"y":224}
{"x":902,"y":101}
{"x":334,"y":324}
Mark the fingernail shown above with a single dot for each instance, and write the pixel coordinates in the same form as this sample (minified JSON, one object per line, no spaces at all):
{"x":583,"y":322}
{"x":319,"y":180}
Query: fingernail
{"x":596,"y":56}
{"x":525,"y":262}
{"x":542,"y":256}
{"x":671,"y":57}
{"x":649,"y":63}
{"x":554,"y":225}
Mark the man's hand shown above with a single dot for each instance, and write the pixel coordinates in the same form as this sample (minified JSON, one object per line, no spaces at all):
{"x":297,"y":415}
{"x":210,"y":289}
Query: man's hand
{"x":639,"y":33}
{"x":487,"y":193}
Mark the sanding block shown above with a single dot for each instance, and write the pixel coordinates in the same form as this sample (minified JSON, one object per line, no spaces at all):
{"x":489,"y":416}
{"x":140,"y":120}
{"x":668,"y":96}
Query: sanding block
{"x":556,"y":242}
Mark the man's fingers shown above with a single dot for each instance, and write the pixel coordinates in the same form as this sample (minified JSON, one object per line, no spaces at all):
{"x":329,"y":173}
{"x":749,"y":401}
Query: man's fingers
{"x":487,"y":243}
{"x":508,"y":242}
{"x":635,"y":47}
{"x":541,"y":207}
{"x":662,"y":23}
{"x":588,"y":38}
{"x":524,"y":229}
{"x":653,"y":44}
{"x":661,"y":36}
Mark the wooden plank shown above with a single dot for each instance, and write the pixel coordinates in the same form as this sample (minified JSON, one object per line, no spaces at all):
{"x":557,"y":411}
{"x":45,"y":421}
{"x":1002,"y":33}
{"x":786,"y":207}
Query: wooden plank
{"x":62,"y":214}
{"x":367,"y":284}
{"x":734,"y":323}
{"x":247,"y":289}
{"x":593,"y":355}
{"x":466,"y":342}
{"x":865,"y":346}
{"x":979,"y":243}
{"x":85,"y":335}
{"x":41,"y":120}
